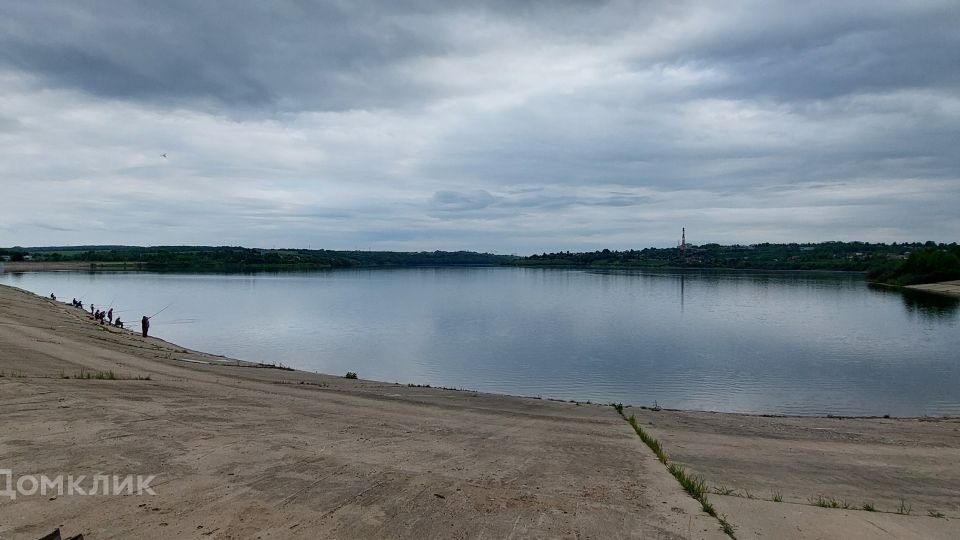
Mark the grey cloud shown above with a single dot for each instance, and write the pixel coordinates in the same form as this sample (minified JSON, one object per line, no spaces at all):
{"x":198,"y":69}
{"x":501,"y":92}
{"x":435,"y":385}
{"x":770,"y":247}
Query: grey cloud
{"x":500,"y":125}
{"x":278,"y":55}
{"x":825,"y":49}
{"x":291,"y":56}
{"x":556,"y":202}
{"x":52,"y":227}
{"x":481,"y":205}
{"x":452,"y":201}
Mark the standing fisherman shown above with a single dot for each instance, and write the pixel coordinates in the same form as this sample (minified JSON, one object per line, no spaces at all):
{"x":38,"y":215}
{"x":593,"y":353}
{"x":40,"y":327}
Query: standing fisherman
{"x":145,"y":321}
{"x":110,"y":316}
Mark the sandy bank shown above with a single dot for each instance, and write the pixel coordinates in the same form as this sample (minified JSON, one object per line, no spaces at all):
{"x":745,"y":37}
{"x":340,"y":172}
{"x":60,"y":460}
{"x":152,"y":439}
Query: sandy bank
{"x":944,"y":287}
{"x":245,"y":452}
{"x":52,"y":266}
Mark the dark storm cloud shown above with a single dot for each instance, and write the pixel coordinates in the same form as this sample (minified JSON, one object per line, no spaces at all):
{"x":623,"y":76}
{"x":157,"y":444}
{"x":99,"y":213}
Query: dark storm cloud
{"x":499,"y":125}
{"x":275,"y":56}
{"x":239,"y":54}
{"x":872,"y":49}
{"x":327,"y":55}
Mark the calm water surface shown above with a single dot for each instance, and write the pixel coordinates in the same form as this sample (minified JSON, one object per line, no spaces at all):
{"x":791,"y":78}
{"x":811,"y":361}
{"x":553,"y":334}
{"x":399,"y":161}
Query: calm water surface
{"x":740,"y":342}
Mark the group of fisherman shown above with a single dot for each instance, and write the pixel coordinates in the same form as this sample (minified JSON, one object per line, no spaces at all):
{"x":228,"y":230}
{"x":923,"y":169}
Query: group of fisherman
{"x":106,"y":317}
{"x":100,"y":315}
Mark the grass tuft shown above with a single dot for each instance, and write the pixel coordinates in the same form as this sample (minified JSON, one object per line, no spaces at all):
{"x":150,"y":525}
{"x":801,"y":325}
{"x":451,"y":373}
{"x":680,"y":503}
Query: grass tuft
{"x":830,"y":502}
{"x":274,"y":365}
{"x":727,"y":527}
{"x":108,"y":375}
{"x":693,"y":484}
{"x":350,"y":375}
{"x":904,"y":509}
{"x":935,"y":514}
{"x":653,"y":443}
{"x":868,"y":507}
{"x":777,"y":497}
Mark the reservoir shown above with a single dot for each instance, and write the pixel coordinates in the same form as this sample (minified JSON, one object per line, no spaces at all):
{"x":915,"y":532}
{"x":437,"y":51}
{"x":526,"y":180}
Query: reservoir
{"x":769,"y":343}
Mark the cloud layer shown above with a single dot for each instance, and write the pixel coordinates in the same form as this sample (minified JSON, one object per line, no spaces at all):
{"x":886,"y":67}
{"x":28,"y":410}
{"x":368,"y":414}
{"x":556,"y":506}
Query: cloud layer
{"x":505,"y":126}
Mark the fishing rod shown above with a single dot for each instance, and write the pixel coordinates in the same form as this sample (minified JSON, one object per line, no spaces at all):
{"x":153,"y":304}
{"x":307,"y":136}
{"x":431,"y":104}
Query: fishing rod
{"x":80,"y":298}
{"x":177,"y":321}
{"x":161,"y":311}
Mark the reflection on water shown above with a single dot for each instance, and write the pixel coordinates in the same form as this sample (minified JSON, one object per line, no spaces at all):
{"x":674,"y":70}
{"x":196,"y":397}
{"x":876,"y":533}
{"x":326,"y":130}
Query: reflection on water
{"x":930,"y":304}
{"x":789,"y":343}
{"x":923,"y":303}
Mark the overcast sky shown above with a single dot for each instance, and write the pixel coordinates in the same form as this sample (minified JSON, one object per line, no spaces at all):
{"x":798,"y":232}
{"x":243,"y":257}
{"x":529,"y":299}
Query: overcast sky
{"x":505,"y":126}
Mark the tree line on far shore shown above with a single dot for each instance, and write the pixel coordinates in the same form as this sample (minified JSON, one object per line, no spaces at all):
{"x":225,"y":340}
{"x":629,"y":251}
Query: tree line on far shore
{"x":224,"y":258}
{"x":833,"y":256}
{"x":899,"y":264}
{"x":928,"y":265}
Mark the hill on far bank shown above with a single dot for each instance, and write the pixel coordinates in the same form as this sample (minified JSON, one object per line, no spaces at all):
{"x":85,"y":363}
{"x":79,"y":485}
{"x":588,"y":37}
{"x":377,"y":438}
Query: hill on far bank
{"x":899,"y":264}
{"x":240,"y":258}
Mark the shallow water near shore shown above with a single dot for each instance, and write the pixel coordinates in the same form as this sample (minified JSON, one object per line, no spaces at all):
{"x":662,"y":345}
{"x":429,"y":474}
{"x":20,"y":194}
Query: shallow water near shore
{"x":771,"y":343}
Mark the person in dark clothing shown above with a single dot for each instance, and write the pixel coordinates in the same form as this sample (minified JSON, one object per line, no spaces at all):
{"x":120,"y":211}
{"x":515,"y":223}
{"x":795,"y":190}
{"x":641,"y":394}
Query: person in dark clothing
{"x":110,"y":316}
{"x":93,"y":311}
{"x":145,"y":325}
{"x":118,"y":323}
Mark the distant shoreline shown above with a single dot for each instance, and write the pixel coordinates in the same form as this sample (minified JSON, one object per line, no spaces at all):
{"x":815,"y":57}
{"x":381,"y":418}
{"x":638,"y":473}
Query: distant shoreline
{"x":813,"y":257}
{"x":30,"y":266}
{"x":65,"y":266}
